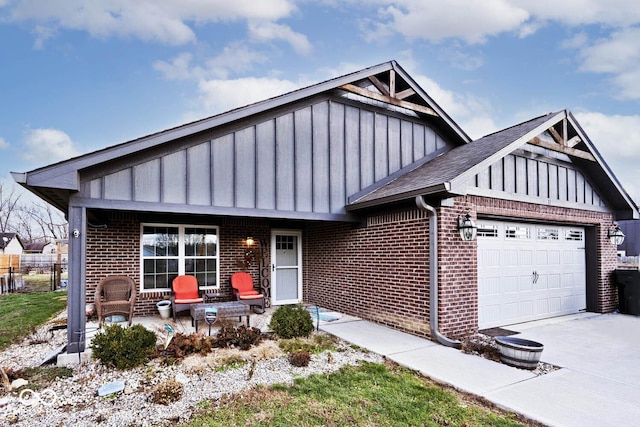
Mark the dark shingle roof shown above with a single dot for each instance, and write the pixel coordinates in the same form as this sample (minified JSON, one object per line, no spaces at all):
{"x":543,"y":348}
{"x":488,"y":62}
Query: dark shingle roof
{"x":439,"y":172}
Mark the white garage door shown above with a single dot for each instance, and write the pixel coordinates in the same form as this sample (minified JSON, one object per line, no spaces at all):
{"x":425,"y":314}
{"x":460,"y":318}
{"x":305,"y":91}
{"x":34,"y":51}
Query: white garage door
{"x":529,"y":272}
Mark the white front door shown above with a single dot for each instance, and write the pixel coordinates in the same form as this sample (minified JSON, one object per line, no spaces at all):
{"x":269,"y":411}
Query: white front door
{"x":529,"y":271}
{"x":286,"y":267}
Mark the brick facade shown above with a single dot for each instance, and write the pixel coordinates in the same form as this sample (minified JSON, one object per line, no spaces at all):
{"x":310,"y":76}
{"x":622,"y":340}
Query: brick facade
{"x":115,"y":250}
{"x":376,"y":270}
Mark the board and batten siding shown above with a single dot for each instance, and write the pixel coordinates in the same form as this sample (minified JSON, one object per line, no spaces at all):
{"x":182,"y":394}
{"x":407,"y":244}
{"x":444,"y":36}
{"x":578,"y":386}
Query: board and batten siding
{"x":537,"y":178}
{"x":307,"y":161}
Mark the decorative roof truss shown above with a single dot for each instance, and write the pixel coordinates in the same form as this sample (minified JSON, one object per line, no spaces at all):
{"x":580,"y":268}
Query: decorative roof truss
{"x":566,"y":140}
{"x":388,"y":87}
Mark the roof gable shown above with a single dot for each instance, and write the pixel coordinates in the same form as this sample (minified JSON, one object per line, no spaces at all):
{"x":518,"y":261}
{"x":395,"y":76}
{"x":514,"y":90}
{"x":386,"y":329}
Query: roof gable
{"x":393,"y":99}
{"x":450,"y":173}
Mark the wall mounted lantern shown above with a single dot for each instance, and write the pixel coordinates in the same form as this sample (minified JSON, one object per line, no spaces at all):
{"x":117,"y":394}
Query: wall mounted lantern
{"x":615,"y":235}
{"x":250,"y":241}
{"x":467,"y":228}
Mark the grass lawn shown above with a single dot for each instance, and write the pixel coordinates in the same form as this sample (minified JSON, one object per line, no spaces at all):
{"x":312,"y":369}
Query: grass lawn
{"x":21,"y":312}
{"x":368,"y":395}
{"x":39,"y":282}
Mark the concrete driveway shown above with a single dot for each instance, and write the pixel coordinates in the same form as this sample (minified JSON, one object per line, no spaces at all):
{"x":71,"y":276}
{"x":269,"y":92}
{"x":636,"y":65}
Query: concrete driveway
{"x":598,"y":383}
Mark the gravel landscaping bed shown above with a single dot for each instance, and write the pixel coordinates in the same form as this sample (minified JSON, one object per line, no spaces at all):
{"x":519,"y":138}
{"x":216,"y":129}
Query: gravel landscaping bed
{"x":73,"y":401}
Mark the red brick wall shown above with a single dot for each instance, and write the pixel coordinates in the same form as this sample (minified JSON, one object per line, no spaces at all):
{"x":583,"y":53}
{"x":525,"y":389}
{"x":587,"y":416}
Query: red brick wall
{"x":458,"y":274}
{"x":378,"y":272}
{"x":115,"y":250}
{"x":381,"y":272}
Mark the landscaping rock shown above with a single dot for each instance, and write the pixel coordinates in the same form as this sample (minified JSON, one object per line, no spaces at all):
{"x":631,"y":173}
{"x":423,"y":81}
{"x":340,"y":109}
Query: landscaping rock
{"x":111,"y":388}
{"x":17,"y":383}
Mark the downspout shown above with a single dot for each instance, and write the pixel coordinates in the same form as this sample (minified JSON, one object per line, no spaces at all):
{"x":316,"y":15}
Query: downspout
{"x":433,"y":274}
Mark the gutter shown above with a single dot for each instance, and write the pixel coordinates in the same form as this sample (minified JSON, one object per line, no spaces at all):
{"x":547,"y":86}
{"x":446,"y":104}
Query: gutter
{"x":433,"y":274}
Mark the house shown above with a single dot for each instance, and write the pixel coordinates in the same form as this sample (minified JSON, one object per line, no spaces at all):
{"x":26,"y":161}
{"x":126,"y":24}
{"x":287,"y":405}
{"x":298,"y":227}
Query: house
{"x":352,"y":194}
{"x":10,"y":244}
{"x":631,"y":244}
{"x":38,"y":248}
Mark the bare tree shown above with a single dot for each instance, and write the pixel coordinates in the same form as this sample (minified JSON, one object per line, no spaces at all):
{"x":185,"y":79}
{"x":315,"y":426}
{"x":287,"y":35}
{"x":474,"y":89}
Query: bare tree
{"x":8,"y":208}
{"x":32,"y":221}
{"x":40,"y":221}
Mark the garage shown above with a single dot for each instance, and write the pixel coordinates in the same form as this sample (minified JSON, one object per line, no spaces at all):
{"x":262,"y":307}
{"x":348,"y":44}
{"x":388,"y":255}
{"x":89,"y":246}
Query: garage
{"x":529,"y":272}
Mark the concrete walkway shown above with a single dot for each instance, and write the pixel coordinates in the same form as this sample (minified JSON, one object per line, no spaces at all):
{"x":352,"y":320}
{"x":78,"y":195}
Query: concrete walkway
{"x":598,"y":385}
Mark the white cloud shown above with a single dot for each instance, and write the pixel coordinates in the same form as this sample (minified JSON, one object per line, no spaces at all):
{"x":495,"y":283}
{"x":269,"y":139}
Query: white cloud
{"x":179,"y":68}
{"x":45,"y":146}
{"x":619,"y":56}
{"x":222,"y":95}
{"x":3,"y":144}
{"x":613,"y":13}
{"x":618,"y":143}
{"x":266,"y":31}
{"x":236,"y":57}
{"x":164,"y":21}
{"x":470,"y":112}
{"x":471,"y":21}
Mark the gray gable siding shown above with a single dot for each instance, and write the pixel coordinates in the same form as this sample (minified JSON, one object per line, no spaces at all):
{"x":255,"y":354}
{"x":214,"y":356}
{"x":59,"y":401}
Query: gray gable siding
{"x":529,"y":175}
{"x":308,"y":160}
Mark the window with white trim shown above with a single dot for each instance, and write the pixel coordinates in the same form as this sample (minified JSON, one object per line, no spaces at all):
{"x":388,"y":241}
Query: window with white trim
{"x":167,"y":251}
{"x":548,"y":233}
{"x":487,"y":230}
{"x":517,"y":232}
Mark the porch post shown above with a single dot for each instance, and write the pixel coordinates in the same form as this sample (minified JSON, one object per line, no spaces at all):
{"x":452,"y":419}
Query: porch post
{"x":76,"y":304}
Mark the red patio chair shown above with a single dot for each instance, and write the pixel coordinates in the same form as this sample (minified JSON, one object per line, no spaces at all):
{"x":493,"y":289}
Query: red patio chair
{"x":184,"y":292}
{"x":243,"y":290}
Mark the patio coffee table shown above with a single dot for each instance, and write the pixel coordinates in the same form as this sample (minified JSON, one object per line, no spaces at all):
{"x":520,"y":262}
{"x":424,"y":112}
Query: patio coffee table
{"x":225,"y":310}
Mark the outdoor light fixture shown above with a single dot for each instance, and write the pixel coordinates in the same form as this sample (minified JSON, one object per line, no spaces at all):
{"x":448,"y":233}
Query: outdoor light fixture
{"x":467,"y":228}
{"x":250,"y":241}
{"x":616,"y":236}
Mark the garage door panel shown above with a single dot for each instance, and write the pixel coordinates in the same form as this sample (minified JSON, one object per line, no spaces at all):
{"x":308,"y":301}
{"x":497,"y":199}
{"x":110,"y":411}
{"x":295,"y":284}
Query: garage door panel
{"x":525,"y":258}
{"x":555,"y":305}
{"x":542,"y":257}
{"x":510,"y":258}
{"x":525,"y":308}
{"x":540,"y":270}
{"x":525,"y":284}
{"x":553,"y":281}
{"x":491,"y":258}
{"x":510,"y":284}
{"x":489,"y":286}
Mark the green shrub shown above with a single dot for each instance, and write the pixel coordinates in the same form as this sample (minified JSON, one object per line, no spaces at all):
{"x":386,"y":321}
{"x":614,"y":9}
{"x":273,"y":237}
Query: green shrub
{"x":123,"y":348}
{"x":291,"y":322}
{"x":300,"y":359}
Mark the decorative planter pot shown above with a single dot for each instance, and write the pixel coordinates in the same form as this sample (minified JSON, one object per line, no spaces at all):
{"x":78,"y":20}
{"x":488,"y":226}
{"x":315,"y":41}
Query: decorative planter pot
{"x":164,"y":308}
{"x":519,"y":352}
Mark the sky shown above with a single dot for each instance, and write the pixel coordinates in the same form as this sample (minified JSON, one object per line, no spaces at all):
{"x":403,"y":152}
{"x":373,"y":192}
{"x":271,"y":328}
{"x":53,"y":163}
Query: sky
{"x":81,"y":75}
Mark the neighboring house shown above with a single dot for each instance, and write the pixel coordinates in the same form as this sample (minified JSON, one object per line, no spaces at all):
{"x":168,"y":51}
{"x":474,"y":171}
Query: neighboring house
{"x":10,"y":244}
{"x":631,"y":244}
{"x":352,"y":190}
{"x":35,"y":248}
